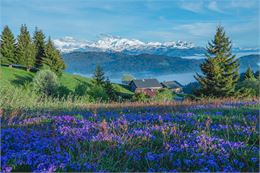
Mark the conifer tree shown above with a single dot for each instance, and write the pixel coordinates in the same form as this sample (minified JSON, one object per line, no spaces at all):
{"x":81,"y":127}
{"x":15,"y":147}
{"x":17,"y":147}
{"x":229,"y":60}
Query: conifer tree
{"x":52,"y":58}
{"x":220,"y":69}
{"x":99,"y":76}
{"x":39,"y":42}
{"x":110,"y":90}
{"x":25,"y":53}
{"x":7,"y":46}
{"x":249,"y":74}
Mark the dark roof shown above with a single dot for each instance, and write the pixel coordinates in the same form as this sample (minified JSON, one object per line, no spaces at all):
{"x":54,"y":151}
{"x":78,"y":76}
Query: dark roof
{"x":172,"y":84}
{"x":146,"y":83}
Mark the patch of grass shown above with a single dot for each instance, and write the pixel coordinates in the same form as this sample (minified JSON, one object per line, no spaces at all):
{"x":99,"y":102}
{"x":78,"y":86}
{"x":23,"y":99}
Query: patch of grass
{"x":17,"y":77}
{"x":72,"y":81}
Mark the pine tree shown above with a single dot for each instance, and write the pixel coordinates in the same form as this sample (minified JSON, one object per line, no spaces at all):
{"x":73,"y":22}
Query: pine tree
{"x":52,"y":58}
{"x":220,"y":70}
{"x":110,"y":90}
{"x":99,"y":76}
{"x":7,"y":46}
{"x":30,"y":52}
{"x":25,"y":54}
{"x":39,"y":42}
{"x":249,"y":74}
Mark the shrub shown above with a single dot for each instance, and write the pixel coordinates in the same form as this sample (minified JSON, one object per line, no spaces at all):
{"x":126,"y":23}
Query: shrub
{"x":97,"y":93}
{"x":110,"y":90}
{"x":81,"y":90}
{"x":248,"y":87}
{"x":45,"y":82}
{"x":63,"y":91}
{"x":140,"y":97}
{"x":245,"y":92}
{"x":163,"y":95}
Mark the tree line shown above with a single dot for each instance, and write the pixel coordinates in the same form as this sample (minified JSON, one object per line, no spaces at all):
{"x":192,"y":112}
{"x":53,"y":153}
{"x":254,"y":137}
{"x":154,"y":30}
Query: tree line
{"x":220,"y":71}
{"x":30,"y":52}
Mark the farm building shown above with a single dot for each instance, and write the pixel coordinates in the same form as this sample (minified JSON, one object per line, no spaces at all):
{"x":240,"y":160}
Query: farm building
{"x":173,"y":85}
{"x":146,"y":86}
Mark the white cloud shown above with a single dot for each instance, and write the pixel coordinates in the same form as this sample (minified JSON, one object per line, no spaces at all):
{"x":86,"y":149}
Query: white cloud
{"x":213,"y":5}
{"x":201,"y":33}
{"x":198,"y":33}
{"x":242,"y":4}
{"x":199,"y":6}
{"x":196,"y":29}
{"x":196,"y":6}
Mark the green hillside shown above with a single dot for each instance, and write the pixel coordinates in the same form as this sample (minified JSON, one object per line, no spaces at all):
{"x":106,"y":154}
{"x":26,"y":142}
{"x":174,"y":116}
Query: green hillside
{"x":18,"y":77}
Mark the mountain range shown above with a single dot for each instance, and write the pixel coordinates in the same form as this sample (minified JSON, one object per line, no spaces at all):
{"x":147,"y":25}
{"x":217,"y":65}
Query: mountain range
{"x":115,"y":44}
{"x":118,"y":56}
{"x":119,"y":63}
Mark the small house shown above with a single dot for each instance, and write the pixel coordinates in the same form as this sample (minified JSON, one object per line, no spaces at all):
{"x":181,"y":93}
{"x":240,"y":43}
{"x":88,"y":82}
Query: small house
{"x":173,"y":85}
{"x":146,"y":86}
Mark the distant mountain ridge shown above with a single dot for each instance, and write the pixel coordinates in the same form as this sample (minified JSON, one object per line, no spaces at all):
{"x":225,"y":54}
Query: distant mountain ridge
{"x":119,"y":63}
{"x":128,"y":46}
{"x":114,"y":44}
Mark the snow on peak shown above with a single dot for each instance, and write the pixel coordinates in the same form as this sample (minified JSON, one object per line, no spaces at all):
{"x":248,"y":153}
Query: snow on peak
{"x":115,"y":43}
{"x":69,"y":44}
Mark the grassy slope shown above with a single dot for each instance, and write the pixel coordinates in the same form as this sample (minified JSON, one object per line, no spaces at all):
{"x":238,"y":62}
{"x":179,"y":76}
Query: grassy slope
{"x":18,"y":77}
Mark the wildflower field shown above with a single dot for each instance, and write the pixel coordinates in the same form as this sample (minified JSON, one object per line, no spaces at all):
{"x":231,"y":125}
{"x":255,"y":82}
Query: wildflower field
{"x":208,"y":137}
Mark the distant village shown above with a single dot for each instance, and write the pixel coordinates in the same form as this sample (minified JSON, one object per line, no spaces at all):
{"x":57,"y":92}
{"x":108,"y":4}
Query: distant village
{"x":150,"y":86}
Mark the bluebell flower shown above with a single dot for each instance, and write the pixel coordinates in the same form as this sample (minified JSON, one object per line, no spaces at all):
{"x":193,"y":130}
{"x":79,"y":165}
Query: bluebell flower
{"x":151,"y":170}
{"x":151,"y":156}
{"x":253,"y":159}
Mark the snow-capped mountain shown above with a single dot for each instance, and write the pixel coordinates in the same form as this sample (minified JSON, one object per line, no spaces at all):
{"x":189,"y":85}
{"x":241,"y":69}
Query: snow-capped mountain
{"x":114,"y":44}
{"x":108,"y":43}
{"x":69,"y":44}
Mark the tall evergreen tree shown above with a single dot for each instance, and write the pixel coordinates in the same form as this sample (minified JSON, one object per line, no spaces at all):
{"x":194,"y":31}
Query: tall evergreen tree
{"x":99,"y":76}
{"x":25,"y":53}
{"x":52,"y":58}
{"x":7,"y":45}
{"x":220,"y":70}
{"x":39,"y":42}
{"x":249,"y":74}
{"x":110,"y":90}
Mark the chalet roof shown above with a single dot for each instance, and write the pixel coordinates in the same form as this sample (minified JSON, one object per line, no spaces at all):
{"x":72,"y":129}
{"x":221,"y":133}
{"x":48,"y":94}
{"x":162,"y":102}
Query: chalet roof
{"x":146,"y":83}
{"x":172,"y":84}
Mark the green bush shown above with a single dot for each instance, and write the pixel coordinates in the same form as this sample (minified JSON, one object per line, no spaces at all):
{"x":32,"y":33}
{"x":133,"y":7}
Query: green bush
{"x":63,"y":91}
{"x":97,"y":93}
{"x":46,"y":83}
{"x":140,"y":97}
{"x":163,"y":95}
{"x":81,"y":90}
{"x":245,"y":92}
{"x":248,"y":88}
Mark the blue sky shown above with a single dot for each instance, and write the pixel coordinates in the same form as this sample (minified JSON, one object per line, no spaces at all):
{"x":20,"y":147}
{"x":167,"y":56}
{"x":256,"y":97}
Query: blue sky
{"x":147,"y":20}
